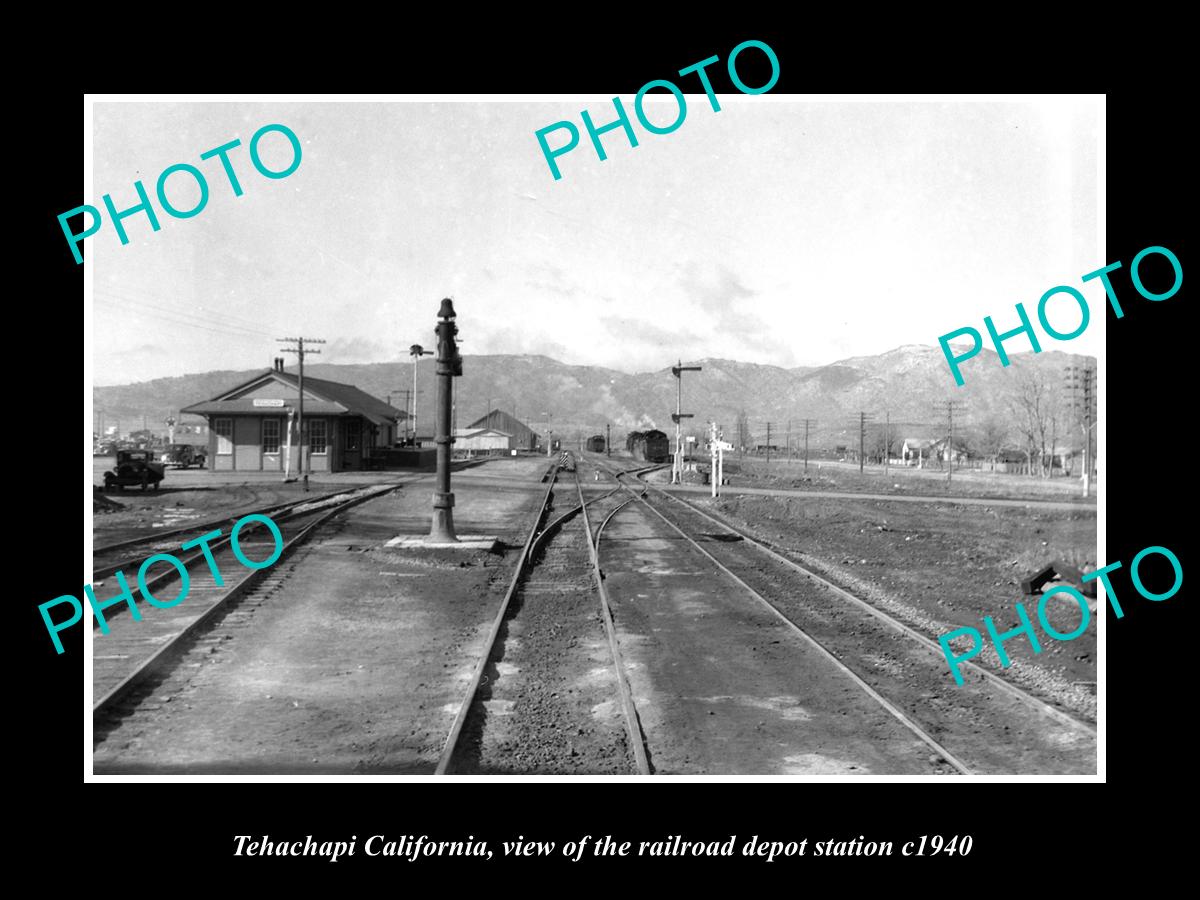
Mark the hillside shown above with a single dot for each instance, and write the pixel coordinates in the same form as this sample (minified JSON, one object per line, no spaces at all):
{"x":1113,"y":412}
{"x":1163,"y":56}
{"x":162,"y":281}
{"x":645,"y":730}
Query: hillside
{"x":911,"y":383}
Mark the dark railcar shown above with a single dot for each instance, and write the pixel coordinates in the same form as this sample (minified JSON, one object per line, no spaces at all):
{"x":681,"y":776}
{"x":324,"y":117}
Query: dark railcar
{"x":632,"y":438}
{"x":595,"y":444}
{"x":650,"y":446}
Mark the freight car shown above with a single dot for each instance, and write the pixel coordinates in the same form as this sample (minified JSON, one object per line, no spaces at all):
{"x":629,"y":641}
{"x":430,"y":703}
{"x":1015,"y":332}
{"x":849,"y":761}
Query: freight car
{"x":650,"y":446}
{"x":595,"y":444}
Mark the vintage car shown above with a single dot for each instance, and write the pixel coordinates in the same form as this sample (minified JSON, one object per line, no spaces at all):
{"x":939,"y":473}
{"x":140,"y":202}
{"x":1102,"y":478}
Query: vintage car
{"x":183,"y":455}
{"x":134,"y":467}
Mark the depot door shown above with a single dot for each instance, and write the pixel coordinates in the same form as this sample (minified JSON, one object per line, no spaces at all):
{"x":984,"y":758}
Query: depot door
{"x":352,"y":444}
{"x":246,"y":443}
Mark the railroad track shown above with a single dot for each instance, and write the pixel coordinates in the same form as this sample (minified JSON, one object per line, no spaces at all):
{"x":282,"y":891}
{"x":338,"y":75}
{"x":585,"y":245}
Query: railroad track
{"x":984,"y":726}
{"x":541,"y":697}
{"x":128,"y":554}
{"x":137,"y":657}
{"x":120,"y":555}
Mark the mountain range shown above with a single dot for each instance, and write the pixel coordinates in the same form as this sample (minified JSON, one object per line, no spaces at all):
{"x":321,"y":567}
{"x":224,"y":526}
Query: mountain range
{"x":908,"y":385}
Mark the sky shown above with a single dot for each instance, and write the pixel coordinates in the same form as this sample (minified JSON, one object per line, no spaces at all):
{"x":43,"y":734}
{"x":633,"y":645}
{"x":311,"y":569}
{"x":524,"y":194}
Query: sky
{"x":778,"y":231}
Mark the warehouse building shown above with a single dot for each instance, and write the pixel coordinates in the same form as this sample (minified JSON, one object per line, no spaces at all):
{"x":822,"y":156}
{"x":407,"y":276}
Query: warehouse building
{"x":252,"y":427}
{"x":520,"y":436}
{"x":474,"y":441}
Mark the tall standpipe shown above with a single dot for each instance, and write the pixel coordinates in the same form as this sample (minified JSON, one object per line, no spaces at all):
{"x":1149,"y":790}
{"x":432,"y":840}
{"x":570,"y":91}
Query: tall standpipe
{"x":449,"y":365}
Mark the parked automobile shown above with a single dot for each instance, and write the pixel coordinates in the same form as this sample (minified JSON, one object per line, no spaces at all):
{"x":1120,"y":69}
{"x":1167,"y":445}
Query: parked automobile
{"x":183,"y":455}
{"x":134,"y":467}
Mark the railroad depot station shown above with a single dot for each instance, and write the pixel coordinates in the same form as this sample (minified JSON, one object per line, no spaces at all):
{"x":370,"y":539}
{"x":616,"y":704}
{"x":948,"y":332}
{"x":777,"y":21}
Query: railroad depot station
{"x":252,"y":427}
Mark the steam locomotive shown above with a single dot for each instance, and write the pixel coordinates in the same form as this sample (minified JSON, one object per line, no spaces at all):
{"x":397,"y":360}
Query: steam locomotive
{"x":649,"y":446}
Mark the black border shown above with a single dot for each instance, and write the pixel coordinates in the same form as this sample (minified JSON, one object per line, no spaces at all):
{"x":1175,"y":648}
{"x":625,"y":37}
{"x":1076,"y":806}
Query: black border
{"x":1146,"y":381}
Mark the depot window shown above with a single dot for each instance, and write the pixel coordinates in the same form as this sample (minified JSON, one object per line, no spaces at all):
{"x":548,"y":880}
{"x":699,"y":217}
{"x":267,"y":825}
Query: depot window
{"x":270,"y":435}
{"x":318,"y":436}
{"x":224,"y":430}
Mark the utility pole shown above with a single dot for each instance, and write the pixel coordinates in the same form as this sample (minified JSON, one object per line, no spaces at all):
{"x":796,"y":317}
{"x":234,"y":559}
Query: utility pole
{"x":806,"y":421}
{"x":608,"y":439}
{"x":300,"y":350}
{"x":887,"y":445}
{"x":416,"y":351}
{"x":405,"y":392}
{"x":862,"y":439}
{"x":768,"y":443}
{"x":1081,"y":382}
{"x":951,"y":406}
{"x":677,"y":464}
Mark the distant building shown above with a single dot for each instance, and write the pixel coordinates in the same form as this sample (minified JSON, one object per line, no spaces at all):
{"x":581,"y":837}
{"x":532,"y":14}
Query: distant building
{"x":481,"y":440}
{"x":520,"y":435}
{"x":249,"y":425}
{"x":920,"y":451}
{"x":917,"y":451}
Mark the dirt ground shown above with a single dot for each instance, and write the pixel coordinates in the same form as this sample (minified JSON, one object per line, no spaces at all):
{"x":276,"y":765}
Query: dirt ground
{"x":824,"y":475}
{"x":357,"y":658}
{"x":940,"y":567}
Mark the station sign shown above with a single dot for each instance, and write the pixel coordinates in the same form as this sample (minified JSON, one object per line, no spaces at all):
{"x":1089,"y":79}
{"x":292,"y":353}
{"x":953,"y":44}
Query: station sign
{"x":276,"y":404}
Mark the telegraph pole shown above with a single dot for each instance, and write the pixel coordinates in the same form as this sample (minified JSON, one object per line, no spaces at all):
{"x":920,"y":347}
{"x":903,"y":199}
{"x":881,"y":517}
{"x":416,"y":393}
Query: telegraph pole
{"x":862,"y":439}
{"x":677,"y":464}
{"x":768,"y":443}
{"x":405,"y":392}
{"x":951,"y":405}
{"x":806,"y":421}
{"x":607,"y":439}
{"x":887,"y":444}
{"x":1081,"y":380}
{"x":300,"y":350}
{"x":416,"y":351}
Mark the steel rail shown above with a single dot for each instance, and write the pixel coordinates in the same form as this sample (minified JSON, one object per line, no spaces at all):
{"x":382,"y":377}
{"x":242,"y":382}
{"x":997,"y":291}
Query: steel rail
{"x":460,"y":718}
{"x":205,"y":527}
{"x":633,"y":727}
{"x":171,"y":574}
{"x":176,"y":644}
{"x":200,"y":527}
{"x":1003,"y":684}
{"x":819,"y":647}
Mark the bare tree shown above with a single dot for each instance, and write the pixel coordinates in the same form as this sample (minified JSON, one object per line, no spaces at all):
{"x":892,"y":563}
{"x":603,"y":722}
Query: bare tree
{"x":884,"y":443}
{"x":991,"y":437}
{"x":1034,"y":402}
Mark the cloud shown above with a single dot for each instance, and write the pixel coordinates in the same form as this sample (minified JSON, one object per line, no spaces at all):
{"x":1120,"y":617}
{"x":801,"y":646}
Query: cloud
{"x":713,"y":288}
{"x":551,"y":279}
{"x":358,"y":350}
{"x":519,"y":341}
{"x":642,"y":331}
{"x":731,"y":308}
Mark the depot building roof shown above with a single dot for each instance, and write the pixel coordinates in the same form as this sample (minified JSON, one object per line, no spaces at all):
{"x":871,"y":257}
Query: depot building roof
{"x":280,"y":391}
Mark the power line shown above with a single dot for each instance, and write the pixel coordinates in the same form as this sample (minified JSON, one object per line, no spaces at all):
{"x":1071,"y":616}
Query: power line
{"x":138,"y":296}
{"x":186,"y":320}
